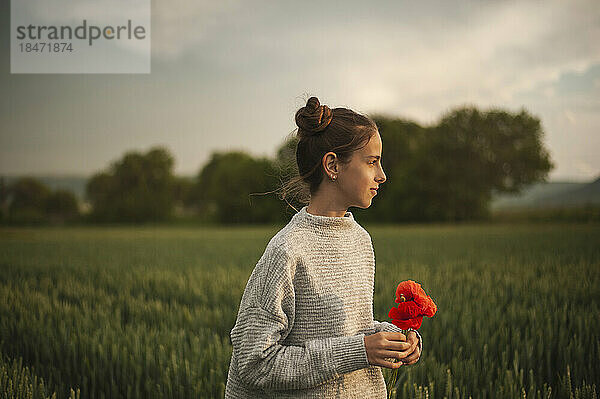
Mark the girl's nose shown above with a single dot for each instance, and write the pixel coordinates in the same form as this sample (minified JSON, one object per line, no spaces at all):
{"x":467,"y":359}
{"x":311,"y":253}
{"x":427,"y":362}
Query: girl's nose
{"x":381,"y":177}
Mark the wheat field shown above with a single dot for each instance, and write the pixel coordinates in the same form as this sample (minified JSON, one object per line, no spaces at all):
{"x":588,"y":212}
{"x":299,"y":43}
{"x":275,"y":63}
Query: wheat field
{"x":145,"y":312}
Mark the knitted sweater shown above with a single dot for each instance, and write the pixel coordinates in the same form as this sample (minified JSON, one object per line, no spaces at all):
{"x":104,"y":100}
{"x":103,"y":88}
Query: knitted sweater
{"x":304,"y":313}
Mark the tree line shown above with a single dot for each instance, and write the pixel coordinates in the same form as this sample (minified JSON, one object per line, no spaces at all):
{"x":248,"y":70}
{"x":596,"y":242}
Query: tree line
{"x":444,"y":172}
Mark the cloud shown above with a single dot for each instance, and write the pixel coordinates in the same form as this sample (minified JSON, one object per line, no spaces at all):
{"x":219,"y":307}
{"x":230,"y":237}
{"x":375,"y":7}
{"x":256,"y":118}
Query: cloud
{"x":405,"y":57}
{"x":586,"y":169}
{"x":570,"y":117}
{"x":212,"y":60}
{"x":508,"y":49}
{"x":180,"y":25}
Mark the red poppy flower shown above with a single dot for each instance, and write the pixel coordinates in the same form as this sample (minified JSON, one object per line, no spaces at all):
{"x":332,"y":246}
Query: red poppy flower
{"x":413,"y":304}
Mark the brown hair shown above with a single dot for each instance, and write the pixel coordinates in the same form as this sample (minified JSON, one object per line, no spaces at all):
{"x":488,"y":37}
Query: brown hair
{"x":321,"y":130}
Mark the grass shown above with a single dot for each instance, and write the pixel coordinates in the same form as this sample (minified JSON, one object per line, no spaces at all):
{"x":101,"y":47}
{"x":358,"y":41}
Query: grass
{"x":122,"y":312}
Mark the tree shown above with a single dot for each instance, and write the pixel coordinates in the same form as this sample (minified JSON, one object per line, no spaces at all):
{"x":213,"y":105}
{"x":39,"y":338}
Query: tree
{"x":101,"y":190}
{"x":28,"y":200}
{"x":287,"y":167}
{"x":182,"y":190}
{"x":3,"y":199}
{"x":137,"y":188}
{"x":449,"y":171}
{"x":401,"y":193}
{"x":28,"y":204}
{"x":61,"y":206}
{"x":229,"y":189}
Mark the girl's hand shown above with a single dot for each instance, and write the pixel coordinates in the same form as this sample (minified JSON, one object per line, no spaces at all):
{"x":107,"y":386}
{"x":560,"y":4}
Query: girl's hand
{"x":416,"y":354}
{"x":385,"y":345}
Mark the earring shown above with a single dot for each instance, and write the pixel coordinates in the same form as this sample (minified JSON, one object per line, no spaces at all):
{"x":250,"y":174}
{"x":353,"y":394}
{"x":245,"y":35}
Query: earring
{"x":333,"y":177}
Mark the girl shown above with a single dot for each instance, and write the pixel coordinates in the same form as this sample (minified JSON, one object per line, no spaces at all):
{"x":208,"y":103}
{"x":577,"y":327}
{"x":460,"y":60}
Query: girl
{"x":305,"y":325}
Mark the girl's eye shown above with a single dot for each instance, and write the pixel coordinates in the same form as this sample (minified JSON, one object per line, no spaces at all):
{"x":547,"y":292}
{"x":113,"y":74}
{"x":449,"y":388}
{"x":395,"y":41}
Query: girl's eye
{"x":373,"y":163}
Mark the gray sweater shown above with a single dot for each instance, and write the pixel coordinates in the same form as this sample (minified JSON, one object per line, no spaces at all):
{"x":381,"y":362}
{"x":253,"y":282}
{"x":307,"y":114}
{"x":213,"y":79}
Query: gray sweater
{"x":306,"y":309}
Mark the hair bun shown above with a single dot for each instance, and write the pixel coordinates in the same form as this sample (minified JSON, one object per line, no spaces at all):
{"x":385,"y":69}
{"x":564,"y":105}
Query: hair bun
{"x":313,"y":117}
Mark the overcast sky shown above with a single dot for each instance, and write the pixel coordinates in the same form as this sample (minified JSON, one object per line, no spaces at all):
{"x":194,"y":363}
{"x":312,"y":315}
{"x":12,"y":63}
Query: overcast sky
{"x":229,"y":75}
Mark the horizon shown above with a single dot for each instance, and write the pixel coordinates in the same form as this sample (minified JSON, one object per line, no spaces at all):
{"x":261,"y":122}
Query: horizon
{"x":193,"y":176}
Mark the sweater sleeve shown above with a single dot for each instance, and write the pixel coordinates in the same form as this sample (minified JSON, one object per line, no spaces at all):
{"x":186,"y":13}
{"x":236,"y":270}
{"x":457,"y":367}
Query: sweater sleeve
{"x":265,"y":318}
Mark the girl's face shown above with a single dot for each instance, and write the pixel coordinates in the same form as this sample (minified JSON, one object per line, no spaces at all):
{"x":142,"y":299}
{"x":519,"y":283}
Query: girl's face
{"x":358,"y":179}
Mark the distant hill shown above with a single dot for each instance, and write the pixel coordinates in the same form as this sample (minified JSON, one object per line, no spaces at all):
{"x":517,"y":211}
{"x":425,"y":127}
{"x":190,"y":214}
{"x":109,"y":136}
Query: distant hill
{"x":587,"y":194}
{"x":550,"y":194}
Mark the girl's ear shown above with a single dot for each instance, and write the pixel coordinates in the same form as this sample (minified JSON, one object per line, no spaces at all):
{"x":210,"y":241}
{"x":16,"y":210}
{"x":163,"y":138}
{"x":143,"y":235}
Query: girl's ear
{"x":330,"y":163}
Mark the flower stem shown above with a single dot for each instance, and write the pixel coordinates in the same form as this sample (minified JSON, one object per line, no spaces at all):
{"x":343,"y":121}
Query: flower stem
{"x":393,"y":380}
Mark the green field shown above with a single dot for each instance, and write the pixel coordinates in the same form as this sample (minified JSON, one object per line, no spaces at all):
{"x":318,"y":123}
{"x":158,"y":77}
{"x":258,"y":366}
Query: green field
{"x":146,"y":312}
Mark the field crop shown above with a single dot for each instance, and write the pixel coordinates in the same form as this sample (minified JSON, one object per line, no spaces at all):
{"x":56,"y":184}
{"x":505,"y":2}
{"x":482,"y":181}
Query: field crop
{"x":120,"y":312}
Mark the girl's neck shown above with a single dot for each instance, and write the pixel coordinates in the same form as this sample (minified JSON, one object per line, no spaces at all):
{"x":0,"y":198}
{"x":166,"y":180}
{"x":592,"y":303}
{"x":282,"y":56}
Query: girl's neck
{"x":330,"y":210}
